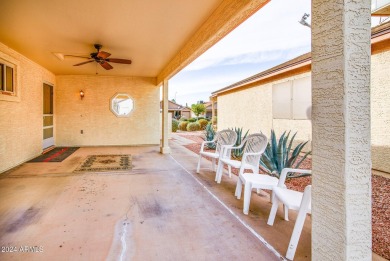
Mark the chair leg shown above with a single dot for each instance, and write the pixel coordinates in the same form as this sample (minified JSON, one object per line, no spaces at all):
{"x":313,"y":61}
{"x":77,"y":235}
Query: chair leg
{"x":219,"y":169}
{"x":272,"y":213}
{"x":237,"y":193}
{"x":247,"y":197}
{"x":292,"y":246}
{"x":230,"y":171}
{"x":285,"y":208}
{"x":198,"y":168}
{"x":220,"y":175}
{"x":213,"y":164}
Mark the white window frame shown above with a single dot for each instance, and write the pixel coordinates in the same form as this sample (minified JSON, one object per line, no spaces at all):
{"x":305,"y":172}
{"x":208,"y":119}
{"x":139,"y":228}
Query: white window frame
{"x":9,"y":61}
{"x":290,"y":90}
{"x":6,"y":64}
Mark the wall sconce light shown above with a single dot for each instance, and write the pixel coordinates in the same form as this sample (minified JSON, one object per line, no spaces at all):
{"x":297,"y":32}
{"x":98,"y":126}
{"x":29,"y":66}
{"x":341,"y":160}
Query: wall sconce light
{"x":81,"y":94}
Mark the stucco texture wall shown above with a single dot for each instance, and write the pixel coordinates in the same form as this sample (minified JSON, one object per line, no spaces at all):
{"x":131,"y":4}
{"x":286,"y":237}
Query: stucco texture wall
{"x":21,"y":118}
{"x":380,"y":111}
{"x":252,"y":109}
{"x":92,"y":114}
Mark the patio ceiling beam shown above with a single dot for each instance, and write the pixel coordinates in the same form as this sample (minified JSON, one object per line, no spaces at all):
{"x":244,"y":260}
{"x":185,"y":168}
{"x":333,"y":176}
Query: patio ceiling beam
{"x":228,"y":15}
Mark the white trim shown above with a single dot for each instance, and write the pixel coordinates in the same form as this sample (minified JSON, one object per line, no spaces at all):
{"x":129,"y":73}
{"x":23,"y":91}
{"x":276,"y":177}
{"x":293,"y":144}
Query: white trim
{"x":46,"y":143}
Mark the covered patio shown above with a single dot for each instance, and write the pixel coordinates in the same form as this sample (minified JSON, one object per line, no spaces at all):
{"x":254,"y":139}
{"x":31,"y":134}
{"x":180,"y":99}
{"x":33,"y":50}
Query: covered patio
{"x":159,"y":210}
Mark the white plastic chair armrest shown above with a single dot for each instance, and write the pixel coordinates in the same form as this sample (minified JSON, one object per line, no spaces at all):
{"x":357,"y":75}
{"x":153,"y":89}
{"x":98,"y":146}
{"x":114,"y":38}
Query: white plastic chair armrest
{"x":239,"y":147}
{"x":283,"y":175}
{"x":225,"y":151}
{"x":205,"y":142}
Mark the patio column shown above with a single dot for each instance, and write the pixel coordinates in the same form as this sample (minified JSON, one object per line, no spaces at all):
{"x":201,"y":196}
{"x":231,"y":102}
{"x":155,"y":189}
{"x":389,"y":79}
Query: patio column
{"x":341,"y":195}
{"x":212,"y":109}
{"x":164,"y":149}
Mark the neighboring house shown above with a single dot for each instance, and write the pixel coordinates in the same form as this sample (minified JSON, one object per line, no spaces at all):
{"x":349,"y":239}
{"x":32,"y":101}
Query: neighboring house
{"x":177,"y":110}
{"x":280,"y":99}
{"x":209,"y":109}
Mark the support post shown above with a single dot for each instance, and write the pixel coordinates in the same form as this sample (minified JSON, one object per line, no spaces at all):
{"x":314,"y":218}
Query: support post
{"x":212,"y":110}
{"x":341,"y":162}
{"x":164,"y":149}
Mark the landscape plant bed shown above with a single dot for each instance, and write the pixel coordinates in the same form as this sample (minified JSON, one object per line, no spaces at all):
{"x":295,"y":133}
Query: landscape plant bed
{"x":380,"y":200}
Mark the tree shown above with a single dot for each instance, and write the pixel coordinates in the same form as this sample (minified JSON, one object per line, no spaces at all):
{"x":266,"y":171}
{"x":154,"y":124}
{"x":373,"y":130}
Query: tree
{"x":198,"y":108}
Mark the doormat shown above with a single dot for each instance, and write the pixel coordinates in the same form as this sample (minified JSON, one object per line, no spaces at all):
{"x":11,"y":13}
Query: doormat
{"x":57,"y":154}
{"x":105,"y":163}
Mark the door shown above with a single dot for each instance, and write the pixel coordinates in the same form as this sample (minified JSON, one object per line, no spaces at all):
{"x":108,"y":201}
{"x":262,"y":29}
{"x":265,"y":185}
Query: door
{"x":48,"y":120}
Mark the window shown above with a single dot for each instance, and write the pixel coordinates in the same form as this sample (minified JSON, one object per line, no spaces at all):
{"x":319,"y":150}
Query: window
{"x":7,"y":78}
{"x":292,"y":99}
{"x":121,"y":105}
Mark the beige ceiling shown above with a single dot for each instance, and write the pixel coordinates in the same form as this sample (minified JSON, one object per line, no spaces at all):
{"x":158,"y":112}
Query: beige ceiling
{"x":150,"y":33}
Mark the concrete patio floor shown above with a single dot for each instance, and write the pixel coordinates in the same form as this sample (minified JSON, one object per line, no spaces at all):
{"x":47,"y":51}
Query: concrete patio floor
{"x":160,"y":210}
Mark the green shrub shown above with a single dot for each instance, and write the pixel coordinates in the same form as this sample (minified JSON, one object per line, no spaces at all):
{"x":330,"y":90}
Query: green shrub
{"x":192,"y":120}
{"x":183,"y":125}
{"x":193,"y":126}
{"x":203,"y":123}
{"x":210,"y":134}
{"x":199,"y":118}
{"x":277,"y":155}
{"x":175,"y":125}
{"x":183,"y":118}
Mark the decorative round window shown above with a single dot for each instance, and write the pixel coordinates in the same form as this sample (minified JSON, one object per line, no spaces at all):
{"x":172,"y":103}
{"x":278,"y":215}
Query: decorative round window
{"x":121,"y":105}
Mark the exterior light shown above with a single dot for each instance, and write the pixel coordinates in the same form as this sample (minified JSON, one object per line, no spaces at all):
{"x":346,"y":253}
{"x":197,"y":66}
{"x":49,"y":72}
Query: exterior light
{"x":81,"y":94}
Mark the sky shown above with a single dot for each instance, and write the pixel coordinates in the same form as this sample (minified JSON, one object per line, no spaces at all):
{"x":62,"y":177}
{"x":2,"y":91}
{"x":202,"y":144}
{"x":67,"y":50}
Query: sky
{"x":270,"y":37}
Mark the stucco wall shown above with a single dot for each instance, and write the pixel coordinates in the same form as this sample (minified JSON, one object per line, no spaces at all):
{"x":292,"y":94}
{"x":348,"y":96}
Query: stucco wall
{"x":252,"y":109}
{"x":380,"y":111}
{"x":21,"y":118}
{"x":93,"y":115}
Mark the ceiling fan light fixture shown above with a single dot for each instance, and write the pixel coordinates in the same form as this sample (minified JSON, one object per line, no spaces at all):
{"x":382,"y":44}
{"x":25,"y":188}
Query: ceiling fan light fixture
{"x":102,"y":58}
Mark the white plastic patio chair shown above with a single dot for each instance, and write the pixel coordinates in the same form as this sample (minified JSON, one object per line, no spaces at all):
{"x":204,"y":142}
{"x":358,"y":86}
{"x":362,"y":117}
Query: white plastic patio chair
{"x":222,"y":138}
{"x":259,"y":182}
{"x":253,"y":146}
{"x":292,"y":200}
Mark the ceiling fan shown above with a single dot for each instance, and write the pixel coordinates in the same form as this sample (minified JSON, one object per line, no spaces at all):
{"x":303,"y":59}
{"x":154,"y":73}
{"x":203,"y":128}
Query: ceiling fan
{"x":101,"y":58}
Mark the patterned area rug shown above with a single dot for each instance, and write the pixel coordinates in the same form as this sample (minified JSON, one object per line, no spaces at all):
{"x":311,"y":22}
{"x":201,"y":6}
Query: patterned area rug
{"x":105,"y":163}
{"x":55,"y":155}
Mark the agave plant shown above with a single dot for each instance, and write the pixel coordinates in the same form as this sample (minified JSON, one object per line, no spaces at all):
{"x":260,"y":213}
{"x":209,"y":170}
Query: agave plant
{"x":237,"y":153}
{"x":278,"y":155}
{"x":210,"y":134}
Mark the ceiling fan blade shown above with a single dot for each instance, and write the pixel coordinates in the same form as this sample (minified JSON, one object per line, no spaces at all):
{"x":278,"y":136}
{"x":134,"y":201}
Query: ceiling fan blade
{"x":77,"y":56}
{"x":103,"y":55}
{"x":106,"y":66}
{"x":116,"y":60}
{"x":84,"y":63}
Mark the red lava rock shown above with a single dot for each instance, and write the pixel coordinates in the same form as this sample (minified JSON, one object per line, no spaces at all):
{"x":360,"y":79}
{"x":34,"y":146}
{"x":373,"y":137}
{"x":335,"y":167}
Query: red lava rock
{"x":380,"y":200}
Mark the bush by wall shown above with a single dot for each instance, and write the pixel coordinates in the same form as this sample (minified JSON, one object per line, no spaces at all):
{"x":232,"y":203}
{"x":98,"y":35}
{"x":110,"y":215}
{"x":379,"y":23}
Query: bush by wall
{"x":175,"y":125}
{"x":203,"y":123}
{"x":193,"y":126}
{"x":192,"y":120}
{"x":183,"y":118}
{"x":183,"y":125}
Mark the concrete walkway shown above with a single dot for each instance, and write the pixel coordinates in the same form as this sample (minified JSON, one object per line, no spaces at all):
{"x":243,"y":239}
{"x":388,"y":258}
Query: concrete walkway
{"x":157,"y":211}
